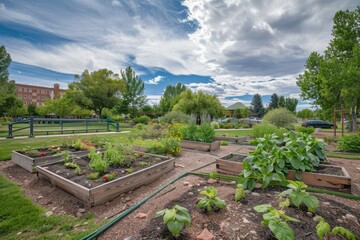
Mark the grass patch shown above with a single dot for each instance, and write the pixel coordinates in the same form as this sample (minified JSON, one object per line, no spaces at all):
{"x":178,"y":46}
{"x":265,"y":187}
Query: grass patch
{"x":343,"y":155}
{"x":9,"y":145}
{"x":19,"y":214}
{"x":234,"y":133}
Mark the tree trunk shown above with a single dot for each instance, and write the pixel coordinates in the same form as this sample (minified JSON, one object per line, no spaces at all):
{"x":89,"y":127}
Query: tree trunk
{"x":198,"y":120}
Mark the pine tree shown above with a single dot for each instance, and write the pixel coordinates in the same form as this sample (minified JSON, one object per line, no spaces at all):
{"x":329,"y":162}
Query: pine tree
{"x":257,"y":107}
{"x":274,"y":101}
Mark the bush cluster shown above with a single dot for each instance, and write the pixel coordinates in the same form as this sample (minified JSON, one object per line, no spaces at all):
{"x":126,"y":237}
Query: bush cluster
{"x":176,"y":117}
{"x":202,"y":133}
{"x":307,"y":130}
{"x":280,"y":117}
{"x":349,"y":143}
{"x":168,"y":146}
{"x":142,"y":119}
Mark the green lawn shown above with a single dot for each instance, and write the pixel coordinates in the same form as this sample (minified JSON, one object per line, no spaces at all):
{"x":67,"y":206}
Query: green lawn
{"x":8,"y":145}
{"x":233,"y":133}
{"x":21,"y":219}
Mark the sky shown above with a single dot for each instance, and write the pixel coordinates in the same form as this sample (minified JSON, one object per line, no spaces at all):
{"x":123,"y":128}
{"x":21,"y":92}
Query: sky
{"x":232,"y":48}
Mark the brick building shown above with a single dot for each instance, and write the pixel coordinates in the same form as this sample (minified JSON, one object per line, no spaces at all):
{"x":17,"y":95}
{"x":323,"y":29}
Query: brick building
{"x":37,"y":95}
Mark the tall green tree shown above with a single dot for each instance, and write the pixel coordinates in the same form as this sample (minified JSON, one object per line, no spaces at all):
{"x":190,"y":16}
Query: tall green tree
{"x":332,"y":80}
{"x":274,"y":100}
{"x":32,"y":109}
{"x":257,"y":107}
{"x":8,"y":98}
{"x":171,"y":97}
{"x":96,"y":90}
{"x":281,"y":102}
{"x":133,"y":98}
{"x":199,"y":104}
{"x":291,"y":104}
{"x":305,"y":113}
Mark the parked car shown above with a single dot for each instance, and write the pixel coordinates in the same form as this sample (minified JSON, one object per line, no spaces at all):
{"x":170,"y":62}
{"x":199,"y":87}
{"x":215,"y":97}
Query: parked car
{"x":318,"y":124}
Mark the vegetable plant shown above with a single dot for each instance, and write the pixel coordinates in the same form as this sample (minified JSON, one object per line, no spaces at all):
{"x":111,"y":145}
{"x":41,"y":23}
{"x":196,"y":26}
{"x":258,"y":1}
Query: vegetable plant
{"x":239,"y":192}
{"x":276,"y":220}
{"x":93,"y":176}
{"x":210,"y":200}
{"x":129,"y":170}
{"x":323,"y":230}
{"x":143,"y":164}
{"x":77,"y":170}
{"x":71,"y":165}
{"x":297,"y":195}
{"x":31,"y":152}
{"x":109,"y":177}
{"x":99,"y":165}
{"x":175,"y":219}
{"x":66,"y":156}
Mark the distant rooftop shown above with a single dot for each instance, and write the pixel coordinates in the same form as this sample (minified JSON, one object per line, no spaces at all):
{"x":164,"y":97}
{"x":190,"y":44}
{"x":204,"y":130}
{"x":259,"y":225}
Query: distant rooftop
{"x":238,"y":105}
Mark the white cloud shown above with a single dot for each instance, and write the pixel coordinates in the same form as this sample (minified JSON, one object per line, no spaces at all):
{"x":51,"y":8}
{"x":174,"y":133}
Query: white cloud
{"x":155,"y":80}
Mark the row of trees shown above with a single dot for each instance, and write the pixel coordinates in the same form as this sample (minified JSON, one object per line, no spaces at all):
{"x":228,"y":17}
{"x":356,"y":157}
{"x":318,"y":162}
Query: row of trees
{"x":257,"y":108}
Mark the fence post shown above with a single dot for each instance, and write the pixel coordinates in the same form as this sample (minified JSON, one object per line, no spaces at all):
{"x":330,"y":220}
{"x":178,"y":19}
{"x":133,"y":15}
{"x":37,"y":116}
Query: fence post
{"x":62,"y":126}
{"x":31,"y":127}
{"x":9,"y":131}
{"x":117,"y":127}
{"x":108,"y":124}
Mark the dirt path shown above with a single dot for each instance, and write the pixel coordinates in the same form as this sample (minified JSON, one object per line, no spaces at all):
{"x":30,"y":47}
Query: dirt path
{"x":56,"y":200}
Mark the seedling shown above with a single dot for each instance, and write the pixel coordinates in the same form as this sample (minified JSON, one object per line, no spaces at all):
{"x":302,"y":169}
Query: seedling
{"x":175,"y":219}
{"x":66,"y":156}
{"x":323,"y":230}
{"x":77,"y":170}
{"x":297,"y":195}
{"x":143,"y":164}
{"x":31,"y":152}
{"x":93,"y":176}
{"x":110,"y":176}
{"x":210,"y":200}
{"x":129,"y":170}
{"x":239,"y":192}
{"x":276,"y":220}
{"x":71,"y":165}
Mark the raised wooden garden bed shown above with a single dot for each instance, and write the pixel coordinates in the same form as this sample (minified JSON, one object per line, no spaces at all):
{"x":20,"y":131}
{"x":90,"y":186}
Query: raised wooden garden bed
{"x":98,"y":191}
{"x":30,"y":163}
{"x":230,"y":164}
{"x":234,"y":139}
{"x":200,"y":146}
{"x":327,"y":176}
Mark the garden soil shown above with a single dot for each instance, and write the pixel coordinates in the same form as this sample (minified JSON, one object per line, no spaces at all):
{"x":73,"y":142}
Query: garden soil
{"x":237,"y":221}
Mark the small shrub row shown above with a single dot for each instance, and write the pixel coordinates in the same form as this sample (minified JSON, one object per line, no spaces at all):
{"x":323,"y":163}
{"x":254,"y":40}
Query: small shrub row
{"x":349,"y":143}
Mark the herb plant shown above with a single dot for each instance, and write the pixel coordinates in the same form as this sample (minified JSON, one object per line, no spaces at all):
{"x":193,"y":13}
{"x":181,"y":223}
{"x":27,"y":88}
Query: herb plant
{"x":239,"y":192}
{"x":210,"y":200}
{"x":99,"y":165}
{"x":77,"y":170}
{"x":297,"y":195}
{"x":31,"y":152}
{"x":71,"y":165}
{"x":323,"y":230}
{"x":109,"y":177}
{"x":175,"y":219}
{"x":93,"y":176}
{"x":276,"y":220}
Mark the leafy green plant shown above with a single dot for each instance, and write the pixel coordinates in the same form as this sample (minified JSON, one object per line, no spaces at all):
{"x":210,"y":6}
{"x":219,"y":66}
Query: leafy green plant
{"x":129,"y":170}
{"x":239,"y":192}
{"x":323,"y":230}
{"x":307,"y":130}
{"x":143,"y":164}
{"x":142,"y":119}
{"x":175,"y":219}
{"x":210,"y":200}
{"x":110,"y":176}
{"x":66,"y":156}
{"x":77,"y":170}
{"x":297,"y":195}
{"x":175,"y":117}
{"x":31,"y":152}
{"x":93,"y":176}
{"x":276,"y":220}
{"x":224,"y":143}
{"x":202,"y":133}
{"x":165,"y":146}
{"x":71,"y":165}
{"x":275,"y":156}
{"x":280,"y":117}
{"x":349,"y":143}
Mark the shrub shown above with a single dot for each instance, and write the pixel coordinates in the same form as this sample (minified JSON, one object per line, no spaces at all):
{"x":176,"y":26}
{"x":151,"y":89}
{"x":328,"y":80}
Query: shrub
{"x":175,"y":130}
{"x":165,"y":146}
{"x":142,"y":119}
{"x":280,"y":117}
{"x":202,"y":133}
{"x":349,"y":143}
{"x":175,"y":117}
{"x":147,"y":131}
{"x":215,"y":125}
{"x":260,"y":130}
{"x":307,"y":130}
{"x":139,"y":126}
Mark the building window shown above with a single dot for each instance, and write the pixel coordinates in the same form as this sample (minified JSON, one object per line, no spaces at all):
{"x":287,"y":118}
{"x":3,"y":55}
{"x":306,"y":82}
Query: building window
{"x":20,"y":89}
{"x":25,"y":96}
{"x":20,"y":96}
{"x":30,"y":97}
{"x":30,"y":90}
{"x":25,"y":90}
{"x":38,"y":91}
{"x":38,"y":97}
